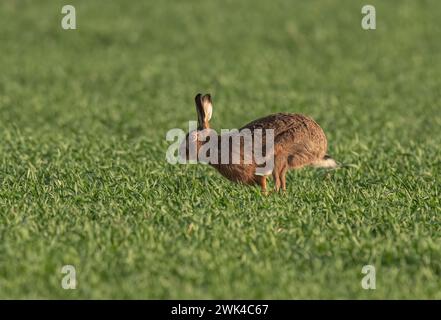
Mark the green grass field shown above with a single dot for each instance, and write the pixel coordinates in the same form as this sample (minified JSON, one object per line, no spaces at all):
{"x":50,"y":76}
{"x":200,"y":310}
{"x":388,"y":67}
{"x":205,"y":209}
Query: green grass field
{"x":83,"y":175}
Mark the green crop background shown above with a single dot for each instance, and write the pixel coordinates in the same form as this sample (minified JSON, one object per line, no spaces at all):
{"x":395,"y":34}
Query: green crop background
{"x":83,"y":175}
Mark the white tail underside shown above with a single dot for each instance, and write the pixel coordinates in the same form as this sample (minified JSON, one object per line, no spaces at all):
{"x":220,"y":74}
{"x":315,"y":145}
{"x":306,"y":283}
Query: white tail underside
{"x":326,"y":163}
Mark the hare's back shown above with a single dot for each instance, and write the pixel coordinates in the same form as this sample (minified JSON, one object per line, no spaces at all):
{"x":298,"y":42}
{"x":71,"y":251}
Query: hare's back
{"x":283,"y":122}
{"x":293,"y":131}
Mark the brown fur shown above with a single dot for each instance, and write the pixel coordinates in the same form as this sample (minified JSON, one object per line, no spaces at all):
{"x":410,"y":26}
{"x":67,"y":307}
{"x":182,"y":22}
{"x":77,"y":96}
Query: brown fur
{"x":298,"y":141}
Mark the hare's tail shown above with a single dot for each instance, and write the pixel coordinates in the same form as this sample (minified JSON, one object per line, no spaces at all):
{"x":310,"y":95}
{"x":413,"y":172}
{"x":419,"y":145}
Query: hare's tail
{"x":326,"y":162}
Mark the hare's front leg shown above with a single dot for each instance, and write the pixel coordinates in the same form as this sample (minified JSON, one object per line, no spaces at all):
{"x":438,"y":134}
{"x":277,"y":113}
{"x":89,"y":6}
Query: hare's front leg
{"x":276,"y":178}
{"x":262,"y":182}
{"x":279,"y":172}
{"x":283,"y":177}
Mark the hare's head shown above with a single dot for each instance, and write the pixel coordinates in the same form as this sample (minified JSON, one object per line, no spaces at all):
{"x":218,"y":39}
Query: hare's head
{"x":197,"y":138}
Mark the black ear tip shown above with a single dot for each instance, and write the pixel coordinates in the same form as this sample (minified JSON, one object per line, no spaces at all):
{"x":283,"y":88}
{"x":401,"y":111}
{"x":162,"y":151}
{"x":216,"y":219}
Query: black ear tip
{"x":198,"y":96}
{"x":207,"y":97}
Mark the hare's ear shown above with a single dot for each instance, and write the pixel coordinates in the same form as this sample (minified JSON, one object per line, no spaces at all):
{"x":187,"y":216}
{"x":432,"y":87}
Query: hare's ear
{"x":204,"y":109}
{"x":208,"y":107}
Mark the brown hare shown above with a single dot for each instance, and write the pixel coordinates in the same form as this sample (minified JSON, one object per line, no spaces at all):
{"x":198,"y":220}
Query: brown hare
{"x":298,"y":141}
